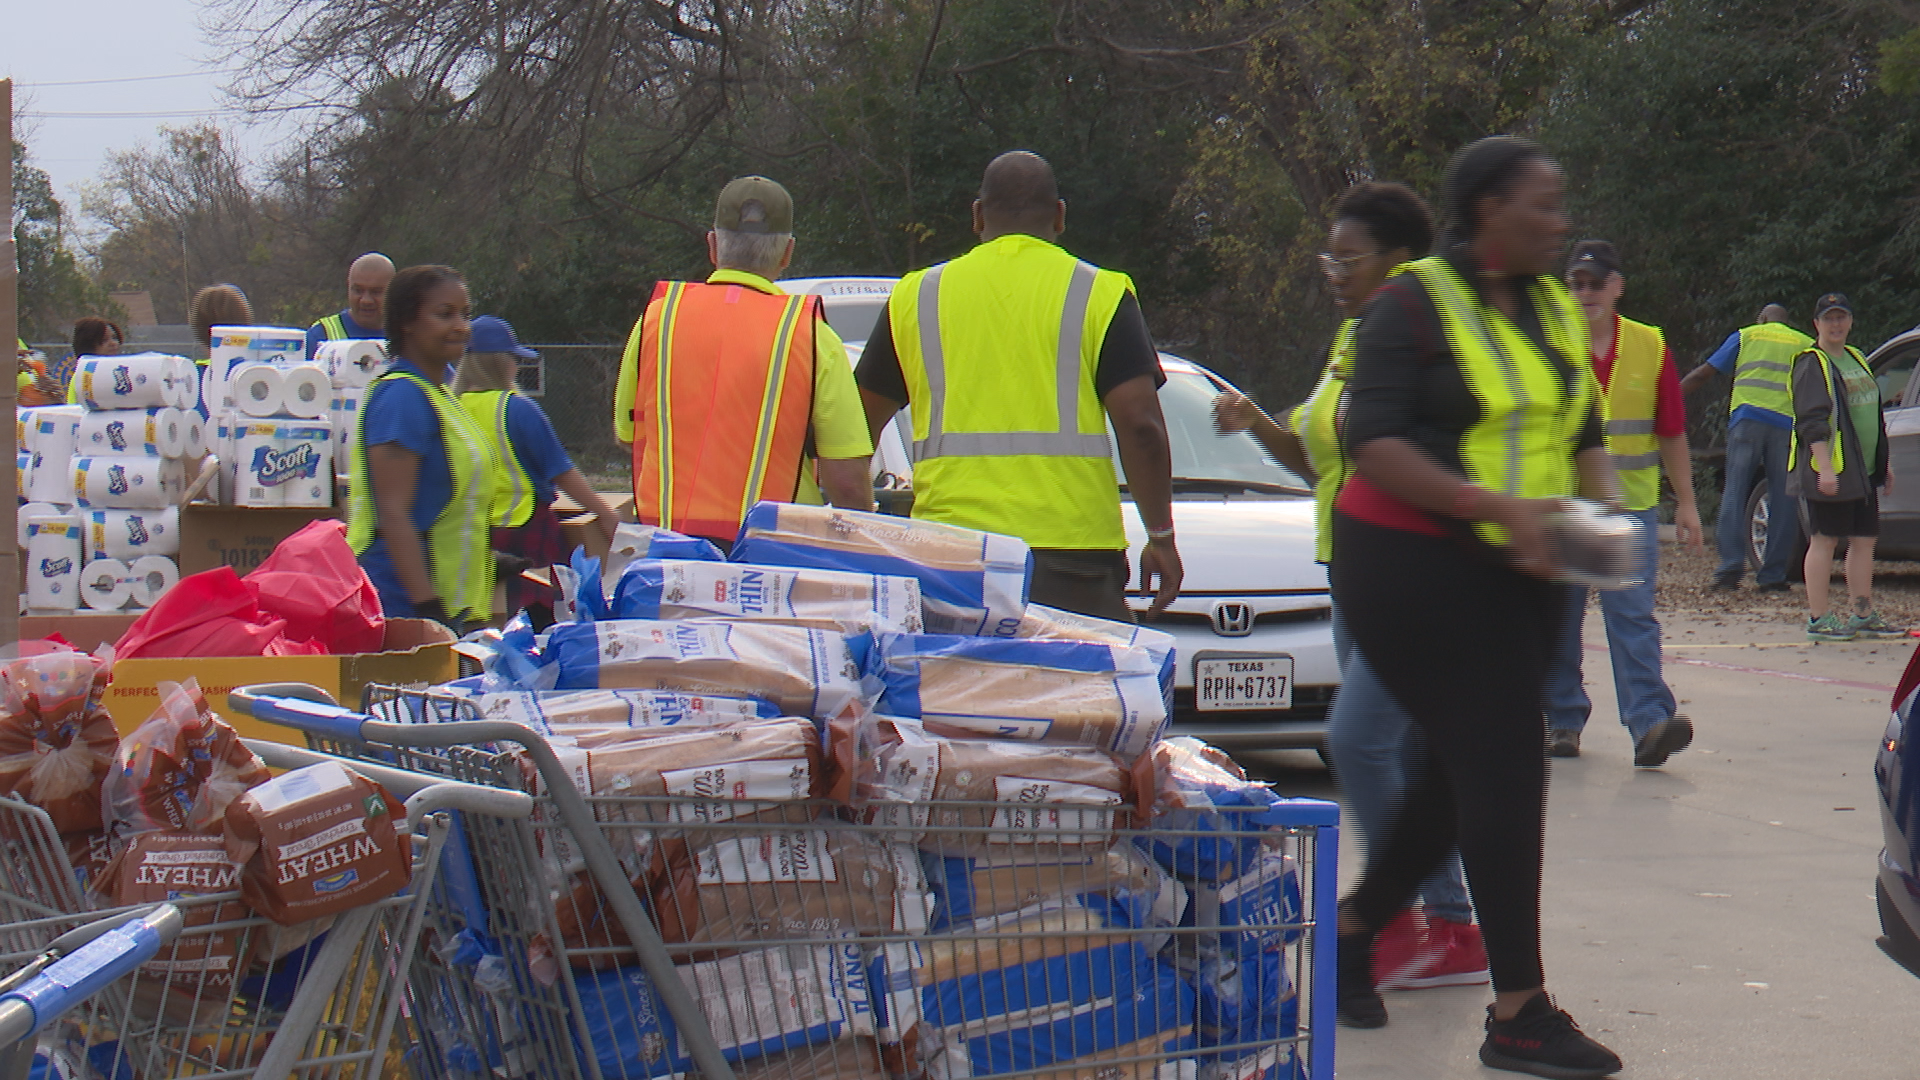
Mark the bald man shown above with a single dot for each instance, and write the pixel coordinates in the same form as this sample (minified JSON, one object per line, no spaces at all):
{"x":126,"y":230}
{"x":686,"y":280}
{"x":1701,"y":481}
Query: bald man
{"x":1012,"y":358}
{"x":365,"y":313}
{"x":1759,"y":436}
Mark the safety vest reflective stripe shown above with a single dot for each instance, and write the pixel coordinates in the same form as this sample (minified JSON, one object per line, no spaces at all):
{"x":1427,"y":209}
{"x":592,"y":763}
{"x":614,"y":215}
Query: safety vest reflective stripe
{"x":334,"y":328}
{"x":1068,"y":441}
{"x":1629,"y":427}
{"x":513,"y":489}
{"x":770,"y":401}
{"x":663,"y":395}
{"x":1626,"y":462}
{"x":1531,"y":413}
{"x":459,"y":557}
{"x":1764,"y":366}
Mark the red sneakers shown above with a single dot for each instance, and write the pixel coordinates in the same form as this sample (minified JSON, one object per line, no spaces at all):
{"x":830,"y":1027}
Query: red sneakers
{"x":1414,"y":952}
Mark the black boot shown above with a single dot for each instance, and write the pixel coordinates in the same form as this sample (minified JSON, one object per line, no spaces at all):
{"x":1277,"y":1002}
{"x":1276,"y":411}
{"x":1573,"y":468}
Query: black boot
{"x":1542,"y":1040}
{"x":1359,"y":1004}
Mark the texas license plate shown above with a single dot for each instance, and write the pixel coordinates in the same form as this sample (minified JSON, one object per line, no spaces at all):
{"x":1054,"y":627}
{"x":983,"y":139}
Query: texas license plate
{"x":1229,"y":683}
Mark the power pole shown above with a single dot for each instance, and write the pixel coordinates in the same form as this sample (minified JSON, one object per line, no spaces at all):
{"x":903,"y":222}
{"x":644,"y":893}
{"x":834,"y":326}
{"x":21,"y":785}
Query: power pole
{"x":9,"y":328}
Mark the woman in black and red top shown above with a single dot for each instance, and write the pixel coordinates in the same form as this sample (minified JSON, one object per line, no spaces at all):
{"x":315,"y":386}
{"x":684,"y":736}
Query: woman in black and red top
{"x":1459,"y":630}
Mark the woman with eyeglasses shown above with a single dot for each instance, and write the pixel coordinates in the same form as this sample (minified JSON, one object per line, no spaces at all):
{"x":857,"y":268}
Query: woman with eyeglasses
{"x":1376,"y":229}
{"x":1473,"y":414}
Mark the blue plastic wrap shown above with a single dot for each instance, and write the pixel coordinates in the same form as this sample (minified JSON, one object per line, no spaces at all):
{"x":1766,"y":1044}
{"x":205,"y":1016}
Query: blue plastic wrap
{"x":1091,"y":695}
{"x":1264,"y":897}
{"x":685,"y":589}
{"x":1053,"y":624}
{"x":971,"y":582}
{"x":1202,"y":791}
{"x":1162,"y":1003}
{"x":804,"y":672}
{"x":1245,"y":1001}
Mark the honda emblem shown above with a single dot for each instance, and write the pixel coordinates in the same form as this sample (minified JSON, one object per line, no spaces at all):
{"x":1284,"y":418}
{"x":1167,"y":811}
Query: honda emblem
{"x":1232,"y":618}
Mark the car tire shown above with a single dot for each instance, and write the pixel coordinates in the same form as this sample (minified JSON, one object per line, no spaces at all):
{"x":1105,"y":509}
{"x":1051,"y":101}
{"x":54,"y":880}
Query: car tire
{"x":1758,"y":512}
{"x":1902,"y":943}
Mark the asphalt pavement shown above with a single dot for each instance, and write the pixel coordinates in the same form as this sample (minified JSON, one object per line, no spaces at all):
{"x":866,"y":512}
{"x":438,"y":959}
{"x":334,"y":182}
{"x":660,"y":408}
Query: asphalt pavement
{"x":1713,"y":919}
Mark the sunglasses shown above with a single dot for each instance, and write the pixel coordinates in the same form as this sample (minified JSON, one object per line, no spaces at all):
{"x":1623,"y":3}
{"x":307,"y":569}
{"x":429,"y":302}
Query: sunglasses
{"x":1582,"y":283}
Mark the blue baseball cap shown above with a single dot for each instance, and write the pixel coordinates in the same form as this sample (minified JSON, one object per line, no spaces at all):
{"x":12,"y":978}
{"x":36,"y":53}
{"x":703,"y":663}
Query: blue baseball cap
{"x":491,"y":333}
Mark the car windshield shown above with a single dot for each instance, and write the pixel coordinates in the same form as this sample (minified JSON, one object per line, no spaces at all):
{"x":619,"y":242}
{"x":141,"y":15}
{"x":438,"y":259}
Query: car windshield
{"x":853,"y":318}
{"x":1203,"y":459}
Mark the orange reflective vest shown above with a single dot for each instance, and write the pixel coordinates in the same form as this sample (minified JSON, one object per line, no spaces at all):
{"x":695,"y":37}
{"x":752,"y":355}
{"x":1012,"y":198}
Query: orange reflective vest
{"x":722,"y":404}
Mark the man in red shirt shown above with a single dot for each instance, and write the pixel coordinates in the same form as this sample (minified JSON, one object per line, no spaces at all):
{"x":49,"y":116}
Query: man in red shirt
{"x":1646,"y":429}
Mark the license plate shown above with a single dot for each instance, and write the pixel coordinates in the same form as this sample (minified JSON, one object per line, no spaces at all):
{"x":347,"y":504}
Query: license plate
{"x":1229,"y":683}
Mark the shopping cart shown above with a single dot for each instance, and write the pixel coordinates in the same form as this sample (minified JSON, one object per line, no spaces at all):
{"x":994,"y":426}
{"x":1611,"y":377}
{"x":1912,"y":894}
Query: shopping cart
{"x":71,"y":969}
{"x":803,"y":939}
{"x":235,"y":995}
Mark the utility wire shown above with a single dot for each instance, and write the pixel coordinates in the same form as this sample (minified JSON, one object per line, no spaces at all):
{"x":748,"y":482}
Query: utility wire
{"x":127,"y":79}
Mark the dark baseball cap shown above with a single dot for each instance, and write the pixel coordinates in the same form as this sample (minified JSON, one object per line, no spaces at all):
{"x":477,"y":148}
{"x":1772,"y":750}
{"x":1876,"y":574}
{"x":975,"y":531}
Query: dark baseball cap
{"x":1596,"y":257}
{"x":492,"y":334}
{"x":1830,"y":301}
{"x":754,"y":204}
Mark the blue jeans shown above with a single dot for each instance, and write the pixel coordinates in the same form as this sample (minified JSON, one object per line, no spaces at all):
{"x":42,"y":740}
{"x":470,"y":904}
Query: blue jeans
{"x":1371,"y":740}
{"x":1633,"y":641}
{"x":1756,"y":449}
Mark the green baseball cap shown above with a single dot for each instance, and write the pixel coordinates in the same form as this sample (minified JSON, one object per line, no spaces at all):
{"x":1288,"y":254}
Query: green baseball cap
{"x":754,"y":204}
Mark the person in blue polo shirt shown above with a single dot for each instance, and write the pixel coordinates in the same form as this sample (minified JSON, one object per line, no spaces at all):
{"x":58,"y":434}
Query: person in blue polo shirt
{"x":364,"y":317}
{"x":533,"y":464}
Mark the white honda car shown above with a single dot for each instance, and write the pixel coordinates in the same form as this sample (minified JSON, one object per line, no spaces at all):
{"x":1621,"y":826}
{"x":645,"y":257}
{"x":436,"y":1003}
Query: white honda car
{"x":1253,"y":619}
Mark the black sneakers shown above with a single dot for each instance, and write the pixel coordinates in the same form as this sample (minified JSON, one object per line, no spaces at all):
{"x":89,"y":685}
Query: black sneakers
{"x":1728,"y":581}
{"x":1543,"y":1041}
{"x":1359,"y":1004}
{"x":1662,"y":741}
{"x":1563,"y":742}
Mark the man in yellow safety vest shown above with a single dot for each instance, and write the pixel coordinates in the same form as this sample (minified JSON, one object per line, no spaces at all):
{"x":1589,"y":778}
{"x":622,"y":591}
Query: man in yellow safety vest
{"x":1012,"y":358}
{"x":1759,"y":433}
{"x":365,"y":316}
{"x":1646,"y":427}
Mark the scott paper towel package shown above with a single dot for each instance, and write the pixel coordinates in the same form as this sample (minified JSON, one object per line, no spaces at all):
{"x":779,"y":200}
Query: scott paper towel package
{"x":128,"y":483}
{"x":50,"y":480}
{"x":53,"y":562}
{"x":234,"y":346}
{"x":138,"y":381}
{"x":283,"y":463}
{"x":130,"y":534}
{"x":158,"y":432}
{"x":105,"y":584}
{"x":352,"y":363}
{"x":150,"y":576}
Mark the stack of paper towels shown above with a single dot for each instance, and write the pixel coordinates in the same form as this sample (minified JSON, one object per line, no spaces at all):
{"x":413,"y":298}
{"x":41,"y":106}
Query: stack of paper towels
{"x":351,"y":365}
{"x":272,"y":417}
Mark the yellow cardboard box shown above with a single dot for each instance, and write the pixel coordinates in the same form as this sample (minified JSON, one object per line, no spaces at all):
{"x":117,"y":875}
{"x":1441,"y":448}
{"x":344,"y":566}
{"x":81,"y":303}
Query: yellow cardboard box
{"x":416,"y":652}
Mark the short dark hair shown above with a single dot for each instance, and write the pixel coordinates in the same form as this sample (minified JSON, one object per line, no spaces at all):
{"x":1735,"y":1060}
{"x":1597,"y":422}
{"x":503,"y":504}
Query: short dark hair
{"x":1394,"y":216}
{"x":406,"y":293}
{"x":1488,"y":166}
{"x":1019,"y":182}
{"x":90,"y":332}
{"x":217,"y":305}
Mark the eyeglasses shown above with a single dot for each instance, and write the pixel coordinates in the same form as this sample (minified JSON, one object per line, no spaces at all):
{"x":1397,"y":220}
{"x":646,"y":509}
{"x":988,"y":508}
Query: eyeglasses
{"x":1336,"y":267}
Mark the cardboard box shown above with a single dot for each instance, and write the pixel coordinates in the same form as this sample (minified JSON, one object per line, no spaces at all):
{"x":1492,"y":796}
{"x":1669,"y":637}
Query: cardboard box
{"x":84,"y":630}
{"x":238,"y":536}
{"x":416,"y":652}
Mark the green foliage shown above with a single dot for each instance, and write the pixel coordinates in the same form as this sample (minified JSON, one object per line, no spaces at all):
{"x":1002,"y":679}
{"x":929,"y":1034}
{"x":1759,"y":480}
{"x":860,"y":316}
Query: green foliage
{"x":55,"y":288}
{"x":1900,"y":63}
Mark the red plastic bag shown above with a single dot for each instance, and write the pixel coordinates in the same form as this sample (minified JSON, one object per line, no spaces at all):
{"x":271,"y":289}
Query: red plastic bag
{"x":211,"y":613}
{"x":313,"y":582}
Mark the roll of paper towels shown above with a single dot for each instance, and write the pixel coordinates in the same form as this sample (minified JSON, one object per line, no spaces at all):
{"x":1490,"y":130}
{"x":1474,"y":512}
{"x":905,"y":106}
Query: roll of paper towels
{"x":235,"y":346}
{"x":306,"y":391}
{"x":35,"y":510}
{"x":129,"y":534}
{"x":23,"y":472}
{"x":126,"y":483}
{"x":257,"y":389}
{"x":285,"y":463}
{"x":149,"y":432}
{"x":53,"y":562}
{"x":195,"y":443}
{"x":49,"y":481}
{"x":104,"y":584}
{"x":150,"y":577}
{"x":139,"y":381}
{"x":254,"y":447}
{"x":352,"y":363}
{"x":55,"y":431}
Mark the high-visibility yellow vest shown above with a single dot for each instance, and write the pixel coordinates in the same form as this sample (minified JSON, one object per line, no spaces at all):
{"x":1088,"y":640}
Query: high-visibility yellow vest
{"x":1530,"y":417}
{"x":459,"y":556}
{"x":1836,"y":445}
{"x":998,"y":349}
{"x":1630,"y":396}
{"x":1765,"y":364}
{"x":1316,"y":422}
{"x":512,"y":488}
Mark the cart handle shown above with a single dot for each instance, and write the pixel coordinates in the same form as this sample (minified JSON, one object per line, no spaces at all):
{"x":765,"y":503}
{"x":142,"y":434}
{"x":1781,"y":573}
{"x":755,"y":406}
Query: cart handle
{"x":80,"y":974}
{"x":424,"y":793}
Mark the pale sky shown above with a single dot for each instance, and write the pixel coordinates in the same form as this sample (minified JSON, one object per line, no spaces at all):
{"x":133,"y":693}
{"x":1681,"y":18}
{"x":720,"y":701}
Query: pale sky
{"x":45,"y":42}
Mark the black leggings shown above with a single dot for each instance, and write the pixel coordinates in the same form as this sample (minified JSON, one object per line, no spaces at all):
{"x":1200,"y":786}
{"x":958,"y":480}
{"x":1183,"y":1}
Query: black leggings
{"x":1463,"y":643}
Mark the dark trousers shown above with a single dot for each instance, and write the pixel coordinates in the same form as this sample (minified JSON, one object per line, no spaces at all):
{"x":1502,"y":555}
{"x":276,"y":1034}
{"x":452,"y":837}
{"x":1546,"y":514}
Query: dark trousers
{"x":1087,"y":582}
{"x":1463,"y":643}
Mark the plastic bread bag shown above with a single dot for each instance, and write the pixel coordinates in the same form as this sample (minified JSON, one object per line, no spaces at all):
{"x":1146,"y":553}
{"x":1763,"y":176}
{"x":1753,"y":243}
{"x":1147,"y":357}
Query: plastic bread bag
{"x":1203,"y":791}
{"x":57,"y":743}
{"x":1259,"y":910}
{"x":1156,"y":1010}
{"x":831,"y":881}
{"x":968,"y":888}
{"x":632,"y":541}
{"x":1248,"y":1000}
{"x":825,"y":599}
{"x":1015,"y":798}
{"x":559,"y":714}
{"x":971,"y":582}
{"x":178,"y":771}
{"x":1066,"y":693}
{"x":192,"y":980}
{"x":804,"y":672}
{"x":316,"y":842}
{"x":1053,"y":624}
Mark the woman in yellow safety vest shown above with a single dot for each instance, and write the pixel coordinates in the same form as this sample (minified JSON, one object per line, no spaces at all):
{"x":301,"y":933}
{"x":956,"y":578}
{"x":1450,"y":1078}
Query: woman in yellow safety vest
{"x":532,"y":464}
{"x":421,"y":495}
{"x":1473,"y":412}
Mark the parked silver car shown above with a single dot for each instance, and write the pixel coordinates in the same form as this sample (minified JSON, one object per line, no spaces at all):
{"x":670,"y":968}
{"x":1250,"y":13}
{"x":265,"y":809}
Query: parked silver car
{"x":1253,"y":620}
{"x":1893,"y":364}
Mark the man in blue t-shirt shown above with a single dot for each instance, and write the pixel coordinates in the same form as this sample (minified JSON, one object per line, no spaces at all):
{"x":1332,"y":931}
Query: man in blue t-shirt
{"x":365,"y":313}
